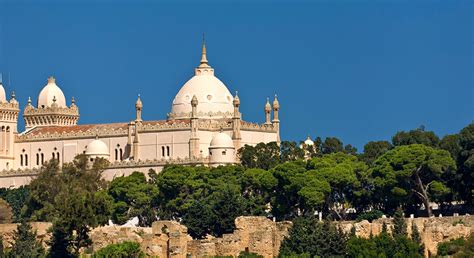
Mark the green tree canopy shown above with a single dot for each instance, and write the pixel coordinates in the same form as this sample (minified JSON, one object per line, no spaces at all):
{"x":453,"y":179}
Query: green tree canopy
{"x":133,"y":196}
{"x":298,"y":190}
{"x":374,"y":149}
{"x":262,"y":155}
{"x":417,"y":136}
{"x":343,"y":173}
{"x":331,"y":145}
{"x":290,"y":151}
{"x":71,"y":198}
{"x":411,"y":172}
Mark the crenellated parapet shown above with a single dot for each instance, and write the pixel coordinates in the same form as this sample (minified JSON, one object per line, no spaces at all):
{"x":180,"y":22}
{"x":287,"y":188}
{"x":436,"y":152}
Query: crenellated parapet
{"x":9,"y":111}
{"x":118,"y":164}
{"x":248,"y":126}
{"x":159,"y":162}
{"x":104,"y":130}
{"x":53,"y":115}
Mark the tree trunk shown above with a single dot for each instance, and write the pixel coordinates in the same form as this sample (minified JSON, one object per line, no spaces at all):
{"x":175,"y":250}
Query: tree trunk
{"x":423,"y":192}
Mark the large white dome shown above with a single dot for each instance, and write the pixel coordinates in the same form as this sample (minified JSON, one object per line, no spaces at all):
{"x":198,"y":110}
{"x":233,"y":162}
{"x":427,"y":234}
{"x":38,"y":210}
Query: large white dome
{"x":214,"y":99}
{"x":51,"y":93}
{"x":3,"y":95}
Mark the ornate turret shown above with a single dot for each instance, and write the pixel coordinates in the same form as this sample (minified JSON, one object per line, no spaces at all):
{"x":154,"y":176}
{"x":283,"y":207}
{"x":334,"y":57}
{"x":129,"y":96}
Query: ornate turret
{"x":236,"y":121}
{"x":51,"y":109}
{"x":268,"y":110}
{"x":138,"y":109}
{"x":276,"y":121}
{"x":194,"y":138}
{"x":136,"y":143}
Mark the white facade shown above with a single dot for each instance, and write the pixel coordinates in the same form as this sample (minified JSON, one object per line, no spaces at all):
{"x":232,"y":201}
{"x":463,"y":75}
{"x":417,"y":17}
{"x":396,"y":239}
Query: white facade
{"x":204,"y":127}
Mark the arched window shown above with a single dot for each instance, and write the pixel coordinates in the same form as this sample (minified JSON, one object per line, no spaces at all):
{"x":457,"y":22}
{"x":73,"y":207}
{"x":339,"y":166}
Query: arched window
{"x":121,"y":154}
{"x":26,"y":159}
{"x":168,"y":151}
{"x":57,"y":156}
{"x":21,"y":160}
{"x":223,"y":152}
{"x":37,"y":159}
{"x":116,"y":154}
{"x":162,"y":151}
{"x":54,"y":155}
{"x":42,"y":158}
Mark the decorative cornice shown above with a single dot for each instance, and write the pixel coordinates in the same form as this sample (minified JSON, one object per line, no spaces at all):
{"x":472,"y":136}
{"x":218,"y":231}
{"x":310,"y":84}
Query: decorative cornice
{"x":117,"y":165}
{"x":204,"y":115}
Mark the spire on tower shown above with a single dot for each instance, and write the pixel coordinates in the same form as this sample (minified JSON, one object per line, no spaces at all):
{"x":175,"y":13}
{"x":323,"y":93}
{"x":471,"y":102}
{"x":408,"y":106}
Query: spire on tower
{"x":204,"y":62}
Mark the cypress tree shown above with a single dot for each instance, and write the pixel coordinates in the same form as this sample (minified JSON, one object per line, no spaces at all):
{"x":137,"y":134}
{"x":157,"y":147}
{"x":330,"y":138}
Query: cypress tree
{"x":384,"y":228}
{"x":25,"y":243}
{"x":399,"y":224}
{"x":353,"y":231}
{"x":416,"y":237}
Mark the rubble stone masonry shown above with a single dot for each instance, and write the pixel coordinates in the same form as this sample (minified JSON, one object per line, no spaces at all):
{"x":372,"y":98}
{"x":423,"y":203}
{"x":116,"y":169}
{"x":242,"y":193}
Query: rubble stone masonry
{"x":254,"y":234}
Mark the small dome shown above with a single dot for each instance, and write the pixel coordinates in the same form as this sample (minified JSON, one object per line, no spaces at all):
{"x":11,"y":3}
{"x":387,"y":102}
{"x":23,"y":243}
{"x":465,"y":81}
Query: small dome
{"x":97,"y":148}
{"x":222,"y":140}
{"x":3,"y":95}
{"x":308,"y":142}
{"x":50,"y":94}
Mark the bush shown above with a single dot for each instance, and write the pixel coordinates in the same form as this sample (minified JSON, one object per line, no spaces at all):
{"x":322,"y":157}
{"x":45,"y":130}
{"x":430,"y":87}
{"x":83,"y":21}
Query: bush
{"x":125,"y":249}
{"x":370,"y":215}
{"x":459,"y":247}
{"x":247,"y":254}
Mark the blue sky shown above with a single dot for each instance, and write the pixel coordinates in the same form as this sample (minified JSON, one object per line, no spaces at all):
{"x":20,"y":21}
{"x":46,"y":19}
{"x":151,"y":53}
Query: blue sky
{"x":357,"y":70}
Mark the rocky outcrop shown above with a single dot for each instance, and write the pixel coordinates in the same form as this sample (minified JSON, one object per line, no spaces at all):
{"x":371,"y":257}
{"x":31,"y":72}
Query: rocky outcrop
{"x":432,"y":230}
{"x":41,"y":228}
{"x":254,"y":234}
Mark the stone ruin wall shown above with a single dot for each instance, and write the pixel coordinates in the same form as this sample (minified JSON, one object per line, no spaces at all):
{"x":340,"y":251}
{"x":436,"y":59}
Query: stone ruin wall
{"x":254,"y":234}
{"x":432,"y":230}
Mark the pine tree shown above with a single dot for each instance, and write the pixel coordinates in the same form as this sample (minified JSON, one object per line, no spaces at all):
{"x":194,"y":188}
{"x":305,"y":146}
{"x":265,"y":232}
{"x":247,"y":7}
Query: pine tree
{"x":399,"y":224}
{"x":25,"y":243}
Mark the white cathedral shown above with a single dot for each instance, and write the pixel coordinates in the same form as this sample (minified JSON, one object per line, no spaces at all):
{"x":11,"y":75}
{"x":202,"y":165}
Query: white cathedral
{"x":204,"y":127}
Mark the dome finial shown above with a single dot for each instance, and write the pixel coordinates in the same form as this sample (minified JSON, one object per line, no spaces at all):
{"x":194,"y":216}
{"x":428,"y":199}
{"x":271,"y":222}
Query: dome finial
{"x":204,"y":61}
{"x":51,"y":79}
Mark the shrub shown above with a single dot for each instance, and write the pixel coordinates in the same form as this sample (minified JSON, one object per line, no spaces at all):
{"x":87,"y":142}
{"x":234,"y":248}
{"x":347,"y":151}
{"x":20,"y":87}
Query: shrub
{"x":125,"y":249}
{"x":459,"y":247}
{"x":370,"y":215}
{"x":247,"y":254}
